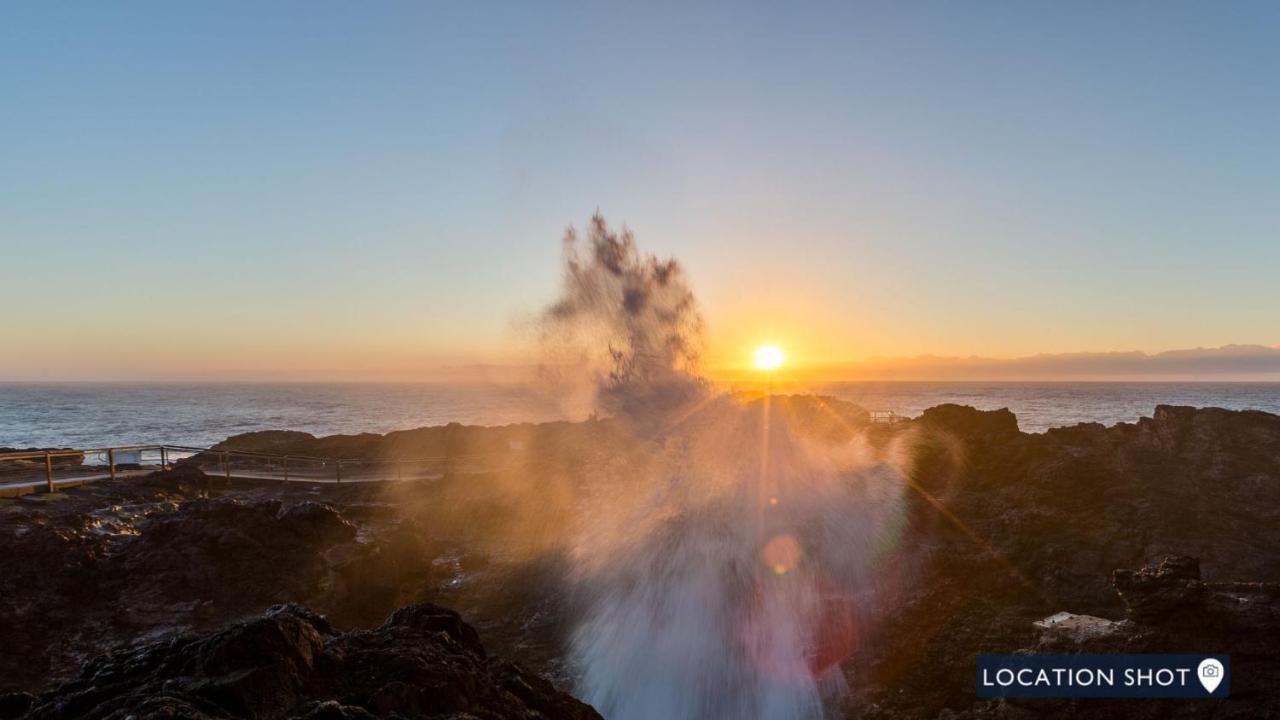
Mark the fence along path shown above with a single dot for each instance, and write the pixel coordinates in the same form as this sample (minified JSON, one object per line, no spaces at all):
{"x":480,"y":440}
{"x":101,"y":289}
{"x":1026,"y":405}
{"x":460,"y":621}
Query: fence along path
{"x":47,"y":470}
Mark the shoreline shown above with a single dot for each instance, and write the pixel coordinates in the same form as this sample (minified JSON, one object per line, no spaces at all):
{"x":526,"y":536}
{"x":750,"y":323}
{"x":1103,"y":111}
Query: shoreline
{"x":104,"y":415}
{"x":1056,"y":514}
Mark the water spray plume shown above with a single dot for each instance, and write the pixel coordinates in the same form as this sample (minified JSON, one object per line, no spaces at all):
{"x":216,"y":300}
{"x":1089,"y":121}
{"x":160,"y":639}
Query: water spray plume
{"x":723,"y":553}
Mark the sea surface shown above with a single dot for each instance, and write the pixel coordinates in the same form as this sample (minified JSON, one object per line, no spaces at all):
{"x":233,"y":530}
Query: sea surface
{"x":88,"y":415}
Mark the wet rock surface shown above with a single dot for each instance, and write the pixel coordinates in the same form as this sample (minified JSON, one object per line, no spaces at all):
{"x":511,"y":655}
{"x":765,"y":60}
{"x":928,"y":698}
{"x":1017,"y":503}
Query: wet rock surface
{"x":423,"y":662}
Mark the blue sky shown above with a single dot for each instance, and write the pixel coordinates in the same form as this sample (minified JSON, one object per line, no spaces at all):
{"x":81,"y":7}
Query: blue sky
{"x":351,"y":190}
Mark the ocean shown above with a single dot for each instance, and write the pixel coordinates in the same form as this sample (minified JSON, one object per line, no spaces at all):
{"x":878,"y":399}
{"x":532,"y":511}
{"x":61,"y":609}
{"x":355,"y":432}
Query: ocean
{"x":113,"y":414}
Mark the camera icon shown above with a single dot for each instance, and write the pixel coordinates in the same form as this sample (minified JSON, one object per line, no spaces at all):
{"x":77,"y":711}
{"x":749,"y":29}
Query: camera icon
{"x":1211,"y":673}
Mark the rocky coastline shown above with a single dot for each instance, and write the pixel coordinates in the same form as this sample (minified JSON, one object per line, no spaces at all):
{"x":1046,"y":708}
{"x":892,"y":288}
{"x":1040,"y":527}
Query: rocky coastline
{"x":424,"y":661}
{"x":1004,"y":530}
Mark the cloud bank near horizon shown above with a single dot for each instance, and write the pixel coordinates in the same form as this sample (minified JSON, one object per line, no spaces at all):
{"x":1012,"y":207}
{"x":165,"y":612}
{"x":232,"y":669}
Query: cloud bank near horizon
{"x":1229,"y":362}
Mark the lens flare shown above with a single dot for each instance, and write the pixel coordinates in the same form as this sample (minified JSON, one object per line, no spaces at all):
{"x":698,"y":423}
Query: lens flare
{"x":781,"y":554}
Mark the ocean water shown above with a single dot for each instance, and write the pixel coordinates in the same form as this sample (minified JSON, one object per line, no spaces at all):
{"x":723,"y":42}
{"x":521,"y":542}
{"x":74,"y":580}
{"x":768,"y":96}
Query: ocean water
{"x":1042,"y":405}
{"x":101,"y":415}
{"x":201,"y":414}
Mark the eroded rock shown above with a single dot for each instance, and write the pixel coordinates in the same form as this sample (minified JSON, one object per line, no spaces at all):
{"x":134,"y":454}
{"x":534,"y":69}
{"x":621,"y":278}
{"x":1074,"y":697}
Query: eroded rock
{"x":424,"y":662}
{"x":1166,"y":592}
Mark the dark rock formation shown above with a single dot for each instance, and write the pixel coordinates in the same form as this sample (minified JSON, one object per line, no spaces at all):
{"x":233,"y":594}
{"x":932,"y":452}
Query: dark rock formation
{"x":968,"y":423}
{"x":109,"y":562}
{"x":229,"y":555}
{"x":1176,"y":613}
{"x":999,"y":529}
{"x":423,"y":662}
{"x":1164,"y":592}
{"x":364,"y":445}
{"x":14,"y":705}
{"x":1008,"y":528}
{"x":272,"y":441}
{"x":1003,"y":528}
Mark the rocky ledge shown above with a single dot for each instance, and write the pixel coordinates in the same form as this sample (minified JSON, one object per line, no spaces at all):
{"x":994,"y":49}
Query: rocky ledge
{"x":1170,"y":609}
{"x":423,"y":662}
{"x":1000,"y":530}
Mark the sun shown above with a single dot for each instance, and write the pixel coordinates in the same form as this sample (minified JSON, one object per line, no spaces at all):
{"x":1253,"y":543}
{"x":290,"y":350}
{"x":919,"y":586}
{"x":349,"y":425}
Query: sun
{"x":769,"y":357}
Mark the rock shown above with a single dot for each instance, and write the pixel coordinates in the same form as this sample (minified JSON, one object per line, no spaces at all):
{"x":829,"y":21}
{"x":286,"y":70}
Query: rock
{"x":1167,"y":592}
{"x":1079,"y":627}
{"x":185,"y":478}
{"x":15,"y":705}
{"x":998,"y":529}
{"x":149,"y":557}
{"x":967,"y":422}
{"x":422,"y":662}
{"x":317,"y":522}
{"x":333,"y":710}
{"x":1241,"y":619}
{"x":233,"y":555}
{"x":1235,"y":618}
{"x":1016,"y":527}
{"x":363,"y":445}
{"x":271,"y":441}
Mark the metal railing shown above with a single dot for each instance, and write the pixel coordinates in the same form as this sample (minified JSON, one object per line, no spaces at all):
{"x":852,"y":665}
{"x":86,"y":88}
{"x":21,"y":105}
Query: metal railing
{"x":72,"y":466}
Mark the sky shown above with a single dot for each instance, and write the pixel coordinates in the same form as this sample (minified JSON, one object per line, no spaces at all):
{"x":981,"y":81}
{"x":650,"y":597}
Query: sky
{"x":335,"y":190}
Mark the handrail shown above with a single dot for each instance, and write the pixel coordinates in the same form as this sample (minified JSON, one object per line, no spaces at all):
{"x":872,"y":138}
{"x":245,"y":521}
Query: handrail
{"x":41,"y":454}
{"x":221,"y":456}
{"x":252,"y":453}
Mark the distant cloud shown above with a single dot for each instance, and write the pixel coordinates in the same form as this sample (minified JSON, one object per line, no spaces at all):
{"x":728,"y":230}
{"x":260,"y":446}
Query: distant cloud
{"x":1229,"y":362}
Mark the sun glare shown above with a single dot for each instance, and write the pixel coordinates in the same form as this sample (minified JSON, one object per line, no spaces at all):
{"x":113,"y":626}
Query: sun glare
{"x":769,"y":357}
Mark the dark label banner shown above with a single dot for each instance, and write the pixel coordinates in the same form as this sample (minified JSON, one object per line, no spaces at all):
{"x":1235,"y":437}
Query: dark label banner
{"x":1104,"y":676}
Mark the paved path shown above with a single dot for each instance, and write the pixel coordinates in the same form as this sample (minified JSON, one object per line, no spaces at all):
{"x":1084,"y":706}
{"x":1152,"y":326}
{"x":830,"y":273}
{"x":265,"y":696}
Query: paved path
{"x":27,"y":486}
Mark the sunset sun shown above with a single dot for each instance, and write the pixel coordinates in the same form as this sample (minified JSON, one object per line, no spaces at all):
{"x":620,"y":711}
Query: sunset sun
{"x":769,"y":357}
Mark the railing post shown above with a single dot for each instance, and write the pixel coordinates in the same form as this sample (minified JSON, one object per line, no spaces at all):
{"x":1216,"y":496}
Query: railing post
{"x":48,"y":470}
{"x":111,"y":460}
{"x":226,"y":467}
{"x":164,"y":458}
{"x":337,"y":465}
{"x":286,"y":467}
